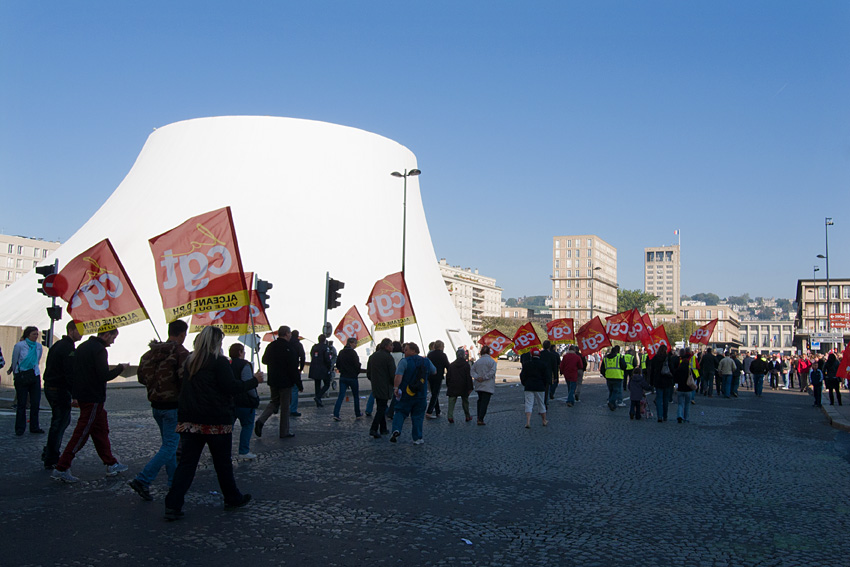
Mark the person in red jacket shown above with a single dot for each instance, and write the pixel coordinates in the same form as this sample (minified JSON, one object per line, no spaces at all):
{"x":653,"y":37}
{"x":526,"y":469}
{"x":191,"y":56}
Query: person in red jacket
{"x":571,"y":366}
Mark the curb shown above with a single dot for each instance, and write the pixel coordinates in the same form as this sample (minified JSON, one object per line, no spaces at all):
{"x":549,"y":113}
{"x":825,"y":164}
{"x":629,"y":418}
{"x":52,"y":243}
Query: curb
{"x":835,"y":418}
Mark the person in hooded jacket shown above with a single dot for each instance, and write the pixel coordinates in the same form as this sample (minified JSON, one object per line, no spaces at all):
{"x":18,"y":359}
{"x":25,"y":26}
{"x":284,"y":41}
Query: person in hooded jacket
{"x":320,"y":369}
{"x":707,"y":369}
{"x":534,"y":378}
{"x":380,"y":370}
{"x":662,"y":379}
{"x":459,"y":384}
{"x":831,"y":380}
{"x":205,"y":418}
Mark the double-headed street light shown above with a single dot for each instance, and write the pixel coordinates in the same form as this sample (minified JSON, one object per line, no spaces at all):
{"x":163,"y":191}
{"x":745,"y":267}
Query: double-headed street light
{"x":405,"y":175}
{"x":815,"y":270}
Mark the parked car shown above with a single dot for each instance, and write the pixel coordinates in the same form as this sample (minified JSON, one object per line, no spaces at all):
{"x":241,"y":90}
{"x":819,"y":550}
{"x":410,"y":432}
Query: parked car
{"x":509,"y":355}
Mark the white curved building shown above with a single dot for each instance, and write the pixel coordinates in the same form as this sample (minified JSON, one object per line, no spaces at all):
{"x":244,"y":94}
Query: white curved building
{"x":307,"y":198}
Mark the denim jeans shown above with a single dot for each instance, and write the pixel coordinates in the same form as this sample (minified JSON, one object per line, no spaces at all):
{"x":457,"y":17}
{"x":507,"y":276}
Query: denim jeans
{"x":571,"y":392}
{"x":663,"y":397}
{"x":33,"y":393}
{"x":245,"y":417}
{"x":552,"y":387}
{"x":727,"y":385}
{"x":344,"y":384}
{"x":415,"y":408}
{"x":817,"y":388}
{"x":615,"y":391}
{"x":758,"y":383}
{"x":60,"y":402}
{"x":370,"y":404}
{"x":684,"y":401}
{"x":785,"y":380}
{"x":736,"y":380}
{"x":167,"y":454}
{"x":293,"y":403}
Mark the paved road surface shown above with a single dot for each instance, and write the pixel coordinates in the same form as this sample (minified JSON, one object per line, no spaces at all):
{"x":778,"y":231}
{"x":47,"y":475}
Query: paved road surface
{"x":747,"y":482}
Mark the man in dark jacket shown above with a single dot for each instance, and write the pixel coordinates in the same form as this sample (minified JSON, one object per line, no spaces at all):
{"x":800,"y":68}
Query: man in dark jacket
{"x":58,"y":373}
{"x":282,"y":362}
{"x":159,"y":370}
{"x":551,"y":361}
{"x":91,"y":373}
{"x":380,"y":370}
{"x":348,"y":364}
{"x":441,"y":362}
{"x":459,"y":384}
{"x":411,"y":392}
{"x":759,"y":368}
{"x":320,"y":369}
{"x":534,"y":378}
{"x":302,"y":361}
{"x":707,"y":368}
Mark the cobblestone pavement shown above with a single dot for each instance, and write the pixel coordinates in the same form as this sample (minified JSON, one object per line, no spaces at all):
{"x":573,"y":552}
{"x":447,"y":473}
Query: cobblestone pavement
{"x":748,"y":482}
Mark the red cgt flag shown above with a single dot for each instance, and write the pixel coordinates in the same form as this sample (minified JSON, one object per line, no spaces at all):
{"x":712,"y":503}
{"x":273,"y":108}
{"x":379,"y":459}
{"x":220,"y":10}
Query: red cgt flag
{"x":100,"y":296}
{"x":647,"y":322}
{"x":617,"y":326}
{"x":198,"y":267}
{"x":389,"y":303}
{"x":235,"y":320}
{"x":560,"y":331}
{"x":637,"y":328}
{"x":657,"y":337}
{"x":526,"y":339}
{"x":352,"y":326}
{"x":703,"y":334}
{"x":844,"y":366}
{"x":591,"y":337}
{"x":497,"y":341}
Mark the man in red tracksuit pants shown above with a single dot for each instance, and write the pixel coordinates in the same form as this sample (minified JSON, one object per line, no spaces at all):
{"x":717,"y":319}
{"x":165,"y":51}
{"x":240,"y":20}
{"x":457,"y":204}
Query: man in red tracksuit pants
{"x":91,"y":373}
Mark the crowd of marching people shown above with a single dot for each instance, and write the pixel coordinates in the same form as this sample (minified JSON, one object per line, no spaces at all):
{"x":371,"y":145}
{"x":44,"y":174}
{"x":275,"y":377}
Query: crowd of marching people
{"x":197,"y":397}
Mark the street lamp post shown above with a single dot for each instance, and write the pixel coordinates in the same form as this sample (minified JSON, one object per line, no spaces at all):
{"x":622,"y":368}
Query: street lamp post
{"x":405,"y":175}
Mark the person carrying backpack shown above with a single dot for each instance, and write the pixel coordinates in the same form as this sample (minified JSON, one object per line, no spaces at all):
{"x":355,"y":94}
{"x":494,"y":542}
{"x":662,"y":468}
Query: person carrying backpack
{"x":411,"y":390}
{"x":816,"y":378}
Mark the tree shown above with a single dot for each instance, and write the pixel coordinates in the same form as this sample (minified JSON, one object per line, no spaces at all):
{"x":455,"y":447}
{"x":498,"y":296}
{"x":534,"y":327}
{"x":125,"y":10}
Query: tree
{"x":738,"y":299}
{"x":633,"y":299}
{"x":708,"y":298}
{"x":766,"y":314}
{"x":511,"y":302}
{"x":680,"y":331}
{"x":660,"y":309}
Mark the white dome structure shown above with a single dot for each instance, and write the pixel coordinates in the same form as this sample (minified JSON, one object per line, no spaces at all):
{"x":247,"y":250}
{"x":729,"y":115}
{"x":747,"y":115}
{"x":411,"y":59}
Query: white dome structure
{"x":307,"y":198}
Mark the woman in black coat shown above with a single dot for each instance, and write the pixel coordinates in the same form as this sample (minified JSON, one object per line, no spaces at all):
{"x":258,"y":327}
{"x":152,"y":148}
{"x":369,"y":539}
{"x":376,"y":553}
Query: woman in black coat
{"x":832,"y":382}
{"x":205,"y":417}
{"x":662,"y":379}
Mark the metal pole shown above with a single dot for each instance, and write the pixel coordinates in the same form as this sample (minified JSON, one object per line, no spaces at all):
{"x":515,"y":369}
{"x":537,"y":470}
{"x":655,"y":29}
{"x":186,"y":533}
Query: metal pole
{"x":253,"y":328}
{"x":403,"y":245}
{"x":53,"y":304}
{"x":815,"y":300}
{"x":327,"y":287}
{"x":827,"y":221}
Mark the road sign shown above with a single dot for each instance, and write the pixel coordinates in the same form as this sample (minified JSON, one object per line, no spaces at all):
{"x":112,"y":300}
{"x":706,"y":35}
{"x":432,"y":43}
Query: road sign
{"x":49,"y":287}
{"x":839,"y":320}
{"x":827,"y":337}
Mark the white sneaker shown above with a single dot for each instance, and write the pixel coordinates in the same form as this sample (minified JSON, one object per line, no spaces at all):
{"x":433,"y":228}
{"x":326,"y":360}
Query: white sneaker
{"x":64,"y":476}
{"x":419,"y":442}
{"x":247,"y":456}
{"x":112,"y":470}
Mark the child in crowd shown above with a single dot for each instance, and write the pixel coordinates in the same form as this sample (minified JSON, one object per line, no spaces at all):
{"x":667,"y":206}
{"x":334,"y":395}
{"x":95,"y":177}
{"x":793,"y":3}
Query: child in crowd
{"x":637,"y":388}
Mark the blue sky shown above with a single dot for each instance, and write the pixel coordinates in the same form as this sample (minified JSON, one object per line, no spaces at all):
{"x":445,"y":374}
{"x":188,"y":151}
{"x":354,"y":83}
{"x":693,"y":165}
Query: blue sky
{"x":727,"y":120}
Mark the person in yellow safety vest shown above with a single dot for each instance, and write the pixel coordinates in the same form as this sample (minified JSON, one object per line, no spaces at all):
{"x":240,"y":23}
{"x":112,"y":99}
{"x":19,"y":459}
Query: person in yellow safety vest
{"x":614,"y":369}
{"x":694,"y":366}
{"x":630,"y":359}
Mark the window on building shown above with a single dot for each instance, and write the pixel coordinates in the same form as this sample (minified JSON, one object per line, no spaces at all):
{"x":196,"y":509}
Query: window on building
{"x":668,"y":256}
{"x":557,"y":253}
{"x":568,"y":253}
{"x":36,"y":252}
{"x":821,"y":292}
{"x":9,"y":275}
{"x":650,"y":256}
{"x":10,"y":262}
{"x":696,"y":314}
{"x":578,"y":253}
{"x":568,"y":283}
{"x":569,"y":243}
{"x":589,"y":263}
{"x":44,"y":253}
{"x":19,"y":263}
{"x":821,"y":309}
{"x":589,"y":273}
{"x":833,"y":307}
{"x":834,"y":292}
{"x":18,"y":275}
{"x":589,"y":244}
{"x":567,"y":293}
{"x":557,"y":244}
{"x":34,"y":263}
{"x":20,"y":249}
{"x":558,"y":284}
{"x":708,"y":313}
{"x":557,"y":273}
{"x":588,"y":304}
{"x":568,"y":304}
{"x":557,"y":263}
{"x":556,"y":293}
{"x":11,"y":249}
{"x":578,"y":282}
{"x":557,"y":304}
{"x":589,"y":253}
{"x":720,"y":314}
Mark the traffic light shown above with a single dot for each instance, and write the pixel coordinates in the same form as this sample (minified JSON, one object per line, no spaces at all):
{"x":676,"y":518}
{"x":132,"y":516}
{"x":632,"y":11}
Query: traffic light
{"x":333,"y":292}
{"x":55,"y":313}
{"x":263,"y":288}
{"x":46,"y":338}
{"x":45,"y":271}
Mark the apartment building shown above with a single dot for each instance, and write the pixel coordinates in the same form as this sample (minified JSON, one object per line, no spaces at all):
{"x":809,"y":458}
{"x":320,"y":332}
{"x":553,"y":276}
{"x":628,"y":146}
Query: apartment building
{"x":768,"y":337}
{"x":820,"y":314}
{"x":474,"y":296}
{"x":20,"y":254}
{"x":584,"y":278}
{"x":662,"y":276}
